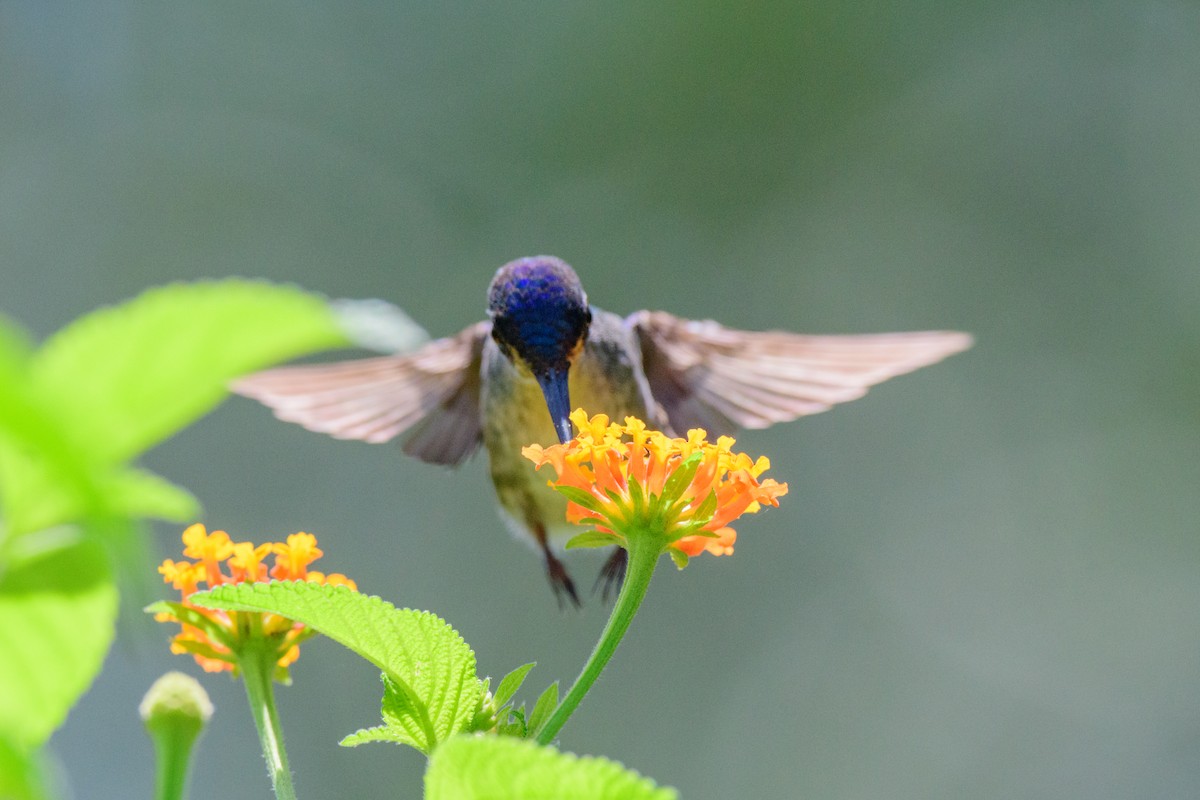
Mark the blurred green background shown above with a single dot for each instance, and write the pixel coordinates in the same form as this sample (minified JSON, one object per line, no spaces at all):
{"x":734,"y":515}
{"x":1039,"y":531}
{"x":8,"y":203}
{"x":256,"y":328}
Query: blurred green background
{"x":985,"y":580}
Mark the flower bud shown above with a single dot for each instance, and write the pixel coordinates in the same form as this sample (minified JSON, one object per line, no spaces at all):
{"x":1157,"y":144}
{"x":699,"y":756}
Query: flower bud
{"x":176,"y":701}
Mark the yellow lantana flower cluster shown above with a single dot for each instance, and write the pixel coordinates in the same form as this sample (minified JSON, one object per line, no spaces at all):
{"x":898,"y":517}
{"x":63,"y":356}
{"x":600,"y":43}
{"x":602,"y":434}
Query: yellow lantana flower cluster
{"x":617,"y":477}
{"x":214,"y":640}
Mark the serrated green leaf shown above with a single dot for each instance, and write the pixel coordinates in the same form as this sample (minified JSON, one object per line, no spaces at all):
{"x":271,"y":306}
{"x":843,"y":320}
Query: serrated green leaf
{"x":399,"y":710}
{"x":57,"y":617}
{"x":510,"y":683}
{"x":543,"y":708}
{"x":160,"y":361}
{"x":504,"y":768}
{"x":432,"y":667}
{"x":403,"y":712}
{"x":380,"y":733}
{"x":592,"y":539}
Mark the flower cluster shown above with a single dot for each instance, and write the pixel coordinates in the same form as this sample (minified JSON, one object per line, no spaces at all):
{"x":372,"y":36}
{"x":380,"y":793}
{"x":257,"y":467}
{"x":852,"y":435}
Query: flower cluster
{"x":622,"y":478}
{"x":213,"y":637}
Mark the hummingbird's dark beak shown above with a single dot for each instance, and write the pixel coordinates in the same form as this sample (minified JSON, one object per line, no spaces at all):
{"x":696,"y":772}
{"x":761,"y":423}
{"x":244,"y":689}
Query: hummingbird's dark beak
{"x":558,"y":401}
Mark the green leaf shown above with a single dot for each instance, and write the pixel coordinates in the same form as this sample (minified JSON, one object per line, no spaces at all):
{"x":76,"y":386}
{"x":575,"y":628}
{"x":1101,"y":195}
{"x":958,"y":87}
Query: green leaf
{"x":705,"y":511}
{"x":120,"y":379}
{"x":678,"y":556}
{"x":436,"y":689}
{"x":543,"y":708}
{"x":593,"y":539}
{"x":15,"y":346}
{"x":21,"y":773}
{"x":503,"y":768}
{"x":398,"y":709}
{"x":515,"y":727}
{"x":15,"y":352}
{"x":510,"y":683}
{"x":41,"y":489}
{"x":638,"y":497}
{"x":487,"y":712}
{"x":189,"y":615}
{"x":124,"y":378}
{"x":581,"y":497}
{"x":57,"y":616}
{"x":681,"y":477}
{"x":140,"y":493}
{"x":39,"y":466}
{"x":38,"y":495}
{"x":380,"y":733}
{"x":495,"y":713}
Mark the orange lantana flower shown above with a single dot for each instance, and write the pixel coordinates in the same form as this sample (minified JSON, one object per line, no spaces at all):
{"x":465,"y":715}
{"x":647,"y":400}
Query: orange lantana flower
{"x":213,"y":637}
{"x":626,"y":478}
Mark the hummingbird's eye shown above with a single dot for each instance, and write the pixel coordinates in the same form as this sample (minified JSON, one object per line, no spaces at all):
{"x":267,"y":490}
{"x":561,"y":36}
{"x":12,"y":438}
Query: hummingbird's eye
{"x":502,"y":329}
{"x":583,"y":323}
{"x":502,"y":334}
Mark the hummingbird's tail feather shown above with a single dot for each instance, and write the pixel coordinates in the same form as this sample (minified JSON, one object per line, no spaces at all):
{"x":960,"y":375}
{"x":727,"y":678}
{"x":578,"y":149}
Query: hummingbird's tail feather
{"x":708,"y":376}
{"x":434,"y":389}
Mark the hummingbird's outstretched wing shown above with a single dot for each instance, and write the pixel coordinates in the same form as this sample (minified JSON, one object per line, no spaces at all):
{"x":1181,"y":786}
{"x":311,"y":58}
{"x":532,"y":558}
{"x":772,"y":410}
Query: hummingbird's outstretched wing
{"x":434,"y":391}
{"x":705,"y":375}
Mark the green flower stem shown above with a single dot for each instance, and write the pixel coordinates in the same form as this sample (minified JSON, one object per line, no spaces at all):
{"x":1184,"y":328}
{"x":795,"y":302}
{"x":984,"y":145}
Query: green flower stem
{"x":173,"y":755}
{"x":644,"y":552}
{"x":174,"y":710}
{"x":257,"y":663}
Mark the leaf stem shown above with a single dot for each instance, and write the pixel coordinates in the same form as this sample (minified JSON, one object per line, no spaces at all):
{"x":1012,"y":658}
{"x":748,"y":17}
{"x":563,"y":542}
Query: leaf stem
{"x":257,"y":663}
{"x":643,"y":556}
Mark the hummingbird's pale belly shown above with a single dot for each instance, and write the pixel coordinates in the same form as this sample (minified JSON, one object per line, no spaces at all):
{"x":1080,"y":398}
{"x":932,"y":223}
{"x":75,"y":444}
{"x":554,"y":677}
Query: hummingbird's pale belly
{"x":606,"y":378}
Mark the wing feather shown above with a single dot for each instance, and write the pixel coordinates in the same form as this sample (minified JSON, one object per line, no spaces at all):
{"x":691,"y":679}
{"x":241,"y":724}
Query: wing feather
{"x":434,"y":391}
{"x":709,"y":376}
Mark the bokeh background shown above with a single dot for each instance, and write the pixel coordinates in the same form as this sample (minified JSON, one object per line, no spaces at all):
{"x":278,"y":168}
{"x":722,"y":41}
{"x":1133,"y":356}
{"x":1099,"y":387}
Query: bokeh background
{"x":986,"y":580}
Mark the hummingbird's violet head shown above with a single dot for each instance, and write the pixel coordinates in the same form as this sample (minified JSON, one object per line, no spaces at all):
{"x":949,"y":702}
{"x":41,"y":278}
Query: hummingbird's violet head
{"x":539,"y":312}
{"x":540,"y":318}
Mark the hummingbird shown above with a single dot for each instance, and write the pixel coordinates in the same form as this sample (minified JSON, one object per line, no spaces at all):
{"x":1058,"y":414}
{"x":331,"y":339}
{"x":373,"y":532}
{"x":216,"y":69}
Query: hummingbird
{"x":513,"y":379}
